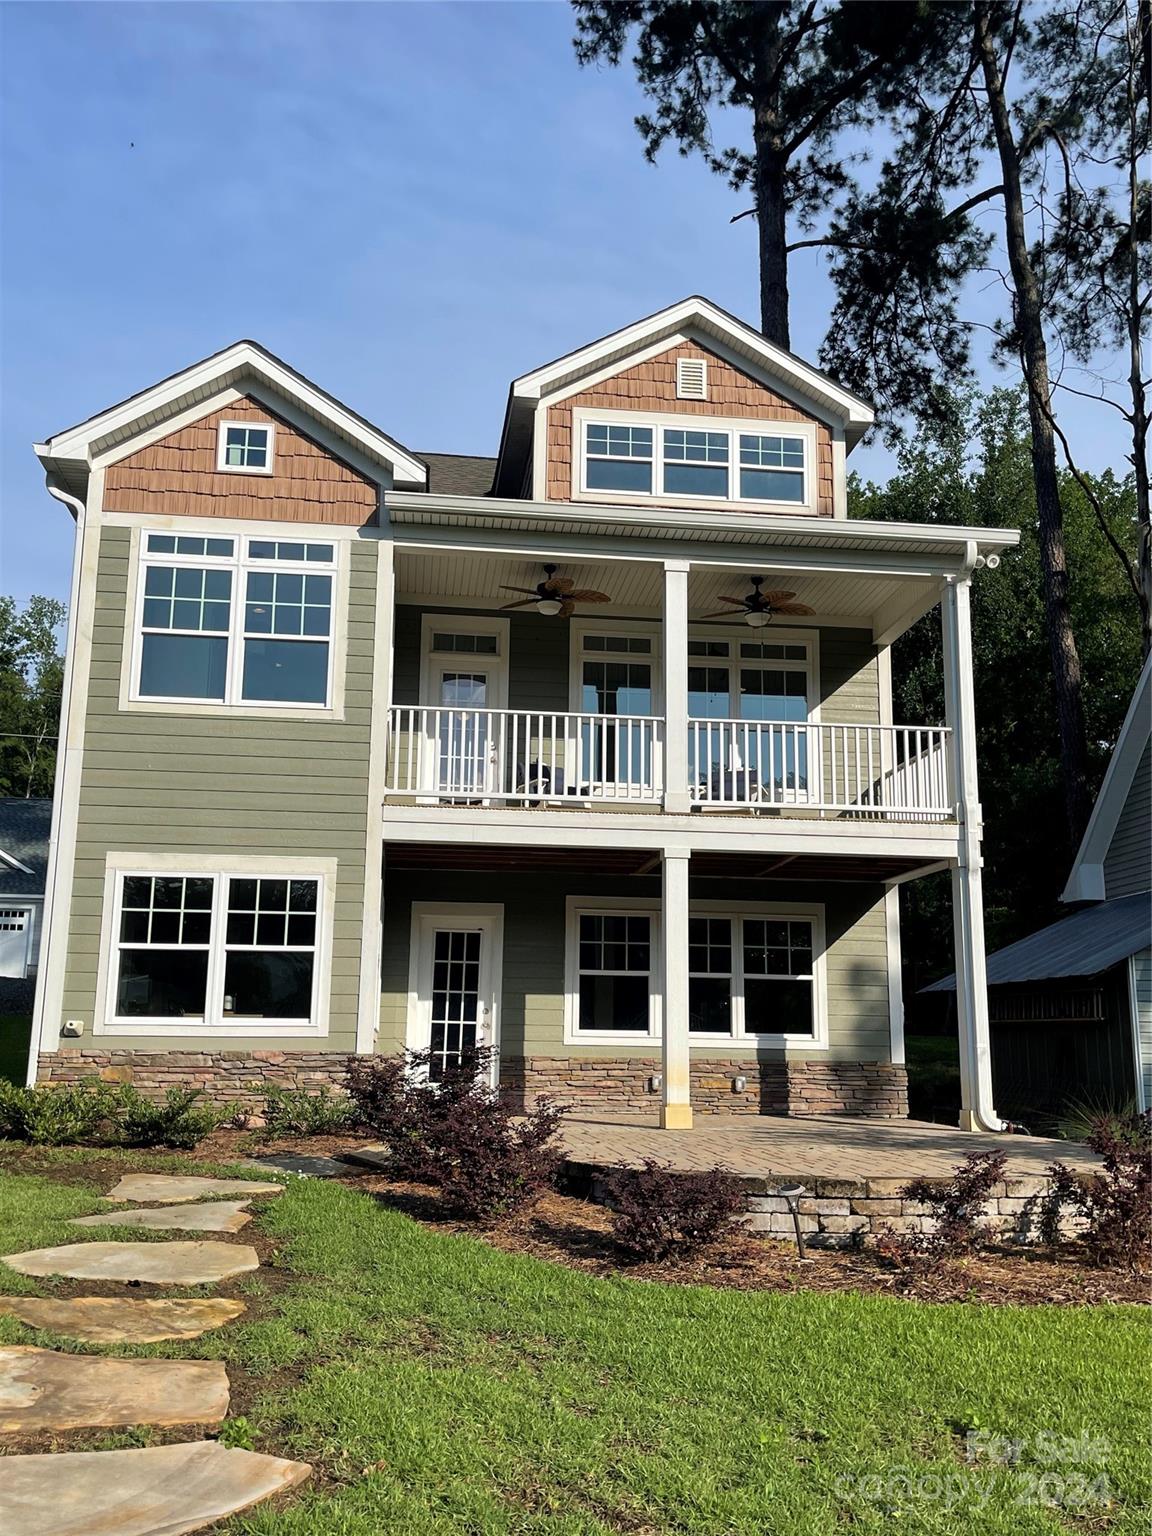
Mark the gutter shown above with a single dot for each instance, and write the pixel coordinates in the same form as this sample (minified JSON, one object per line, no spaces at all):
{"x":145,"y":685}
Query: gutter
{"x":62,"y":787}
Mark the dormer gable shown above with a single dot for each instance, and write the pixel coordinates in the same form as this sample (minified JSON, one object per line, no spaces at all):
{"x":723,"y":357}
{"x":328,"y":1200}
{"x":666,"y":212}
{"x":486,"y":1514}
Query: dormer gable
{"x":689,"y":407}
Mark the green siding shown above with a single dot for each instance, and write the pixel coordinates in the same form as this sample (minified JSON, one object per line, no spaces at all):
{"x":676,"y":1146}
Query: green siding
{"x":1126,"y":862}
{"x":168,"y":783}
{"x":534,"y":920}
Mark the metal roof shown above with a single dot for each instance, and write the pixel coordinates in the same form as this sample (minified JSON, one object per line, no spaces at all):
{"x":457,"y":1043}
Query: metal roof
{"x":1084,"y":944}
{"x":24,"y":829}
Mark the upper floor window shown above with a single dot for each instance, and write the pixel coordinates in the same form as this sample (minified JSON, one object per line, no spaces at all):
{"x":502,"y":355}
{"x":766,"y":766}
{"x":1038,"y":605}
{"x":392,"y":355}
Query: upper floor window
{"x":234,"y":621}
{"x":245,"y":446}
{"x":695,"y":458}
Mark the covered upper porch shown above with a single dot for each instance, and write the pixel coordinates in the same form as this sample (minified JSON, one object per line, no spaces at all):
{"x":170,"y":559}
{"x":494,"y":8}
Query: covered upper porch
{"x":753,"y":681}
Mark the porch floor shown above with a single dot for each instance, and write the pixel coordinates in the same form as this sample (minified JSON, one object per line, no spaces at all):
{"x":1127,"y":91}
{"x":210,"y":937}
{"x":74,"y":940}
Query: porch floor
{"x":806,"y":1148}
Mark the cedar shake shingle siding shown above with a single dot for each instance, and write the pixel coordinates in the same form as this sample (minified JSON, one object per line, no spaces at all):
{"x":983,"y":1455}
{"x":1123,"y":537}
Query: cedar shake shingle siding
{"x":651,"y":386}
{"x":177,"y":476}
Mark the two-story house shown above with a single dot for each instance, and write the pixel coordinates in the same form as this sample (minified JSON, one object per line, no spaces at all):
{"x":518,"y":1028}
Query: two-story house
{"x":585,"y":751}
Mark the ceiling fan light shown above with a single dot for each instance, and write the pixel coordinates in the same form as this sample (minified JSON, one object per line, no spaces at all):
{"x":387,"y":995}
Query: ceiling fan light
{"x":756,"y":618}
{"x":549,"y":607}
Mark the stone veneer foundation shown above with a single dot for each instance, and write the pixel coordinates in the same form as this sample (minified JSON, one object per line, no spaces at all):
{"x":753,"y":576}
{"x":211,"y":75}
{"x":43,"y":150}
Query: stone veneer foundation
{"x":226,"y":1077}
{"x":875,"y":1089}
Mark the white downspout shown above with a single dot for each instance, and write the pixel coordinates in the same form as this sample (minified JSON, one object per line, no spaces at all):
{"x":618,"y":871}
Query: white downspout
{"x":977,"y":1111}
{"x":47,"y":981}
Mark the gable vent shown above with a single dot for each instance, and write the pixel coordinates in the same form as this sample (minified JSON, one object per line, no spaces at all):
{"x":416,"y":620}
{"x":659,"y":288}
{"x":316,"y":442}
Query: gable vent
{"x":691,"y":378}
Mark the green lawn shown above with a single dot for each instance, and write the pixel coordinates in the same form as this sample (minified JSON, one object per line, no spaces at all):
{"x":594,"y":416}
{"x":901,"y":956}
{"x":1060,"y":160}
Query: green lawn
{"x":15,"y":1032}
{"x":444,"y":1387}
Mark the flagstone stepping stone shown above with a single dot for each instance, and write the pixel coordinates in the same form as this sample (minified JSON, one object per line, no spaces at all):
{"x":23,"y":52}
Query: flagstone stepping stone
{"x":315,"y":1167}
{"x":216,"y":1216}
{"x":116,"y":1320}
{"x":173,"y":1189}
{"x":165,"y":1490}
{"x":156,"y":1263}
{"x":41,"y":1389}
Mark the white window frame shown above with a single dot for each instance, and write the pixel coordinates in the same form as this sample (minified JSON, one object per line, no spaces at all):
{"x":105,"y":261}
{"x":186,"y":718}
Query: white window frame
{"x":577,"y":907}
{"x":810,"y":912}
{"x":426,"y":917}
{"x":244,"y":469}
{"x":805,"y":431}
{"x":213,"y":1025}
{"x":240,"y":563}
{"x":432,"y":624}
{"x":743,"y":634}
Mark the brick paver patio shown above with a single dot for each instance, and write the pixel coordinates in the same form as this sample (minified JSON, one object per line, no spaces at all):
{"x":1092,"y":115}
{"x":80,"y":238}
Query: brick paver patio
{"x":809,"y":1147}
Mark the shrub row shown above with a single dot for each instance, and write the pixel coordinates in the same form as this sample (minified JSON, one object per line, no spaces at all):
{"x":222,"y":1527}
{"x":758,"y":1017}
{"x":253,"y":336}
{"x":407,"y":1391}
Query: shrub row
{"x":93,"y":1113}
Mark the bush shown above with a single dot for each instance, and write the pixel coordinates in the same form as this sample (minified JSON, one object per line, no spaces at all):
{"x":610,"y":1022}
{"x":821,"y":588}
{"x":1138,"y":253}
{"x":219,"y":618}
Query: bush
{"x":58,"y":1115}
{"x":659,"y":1214}
{"x":1116,"y":1204}
{"x":174,"y":1122}
{"x":91,"y":1113}
{"x":957,"y":1206}
{"x":489,"y":1167}
{"x":455,"y":1132}
{"x":296,"y":1112}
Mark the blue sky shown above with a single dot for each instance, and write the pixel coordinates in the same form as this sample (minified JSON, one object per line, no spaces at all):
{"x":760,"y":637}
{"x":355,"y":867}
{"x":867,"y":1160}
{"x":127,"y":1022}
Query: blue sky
{"x":412,"y":203}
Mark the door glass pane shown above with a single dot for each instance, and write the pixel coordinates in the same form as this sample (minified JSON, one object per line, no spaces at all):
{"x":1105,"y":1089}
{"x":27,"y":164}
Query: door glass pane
{"x":455,"y":997}
{"x":613,"y":754}
{"x":778,"y":758}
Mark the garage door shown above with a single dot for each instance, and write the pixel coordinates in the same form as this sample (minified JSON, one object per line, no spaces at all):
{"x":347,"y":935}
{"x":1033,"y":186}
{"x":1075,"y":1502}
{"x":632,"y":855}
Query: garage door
{"x":14,"y":923}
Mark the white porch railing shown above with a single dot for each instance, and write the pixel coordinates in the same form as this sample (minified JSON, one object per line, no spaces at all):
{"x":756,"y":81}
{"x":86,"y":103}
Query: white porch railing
{"x":516,"y":755}
{"x":894,"y":772}
{"x":898,"y":773}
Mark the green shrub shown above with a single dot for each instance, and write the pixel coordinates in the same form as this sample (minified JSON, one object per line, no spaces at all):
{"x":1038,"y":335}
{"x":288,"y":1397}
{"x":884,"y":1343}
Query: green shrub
{"x":92,"y":1113}
{"x":1115,"y":1204}
{"x":296,"y":1112}
{"x":174,"y":1122}
{"x":58,"y":1115}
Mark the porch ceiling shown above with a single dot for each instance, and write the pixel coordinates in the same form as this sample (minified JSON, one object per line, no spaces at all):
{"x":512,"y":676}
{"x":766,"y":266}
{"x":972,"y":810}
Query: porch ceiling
{"x":494,"y":858}
{"x":465,"y":578}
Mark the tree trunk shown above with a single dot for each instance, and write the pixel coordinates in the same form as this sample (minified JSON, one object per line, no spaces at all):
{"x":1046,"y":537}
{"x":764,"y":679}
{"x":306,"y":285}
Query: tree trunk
{"x":1065,"y":658}
{"x":1139,"y":56}
{"x":771,"y":164}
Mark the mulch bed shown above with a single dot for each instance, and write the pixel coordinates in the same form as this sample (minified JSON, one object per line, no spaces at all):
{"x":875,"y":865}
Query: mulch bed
{"x":566,"y":1230}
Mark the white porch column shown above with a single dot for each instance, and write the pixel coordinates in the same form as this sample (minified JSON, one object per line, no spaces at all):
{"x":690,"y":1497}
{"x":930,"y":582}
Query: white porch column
{"x":976,"y":1108}
{"x":371,"y":939}
{"x":676,"y":797}
{"x":676,"y":1104}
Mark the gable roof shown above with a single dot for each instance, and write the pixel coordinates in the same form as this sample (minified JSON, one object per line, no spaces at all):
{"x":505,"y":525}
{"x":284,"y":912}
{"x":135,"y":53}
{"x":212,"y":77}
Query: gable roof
{"x":1086,"y":881}
{"x":703,"y":321}
{"x":70,"y":453}
{"x":24,"y":829}
{"x":1088,"y":942}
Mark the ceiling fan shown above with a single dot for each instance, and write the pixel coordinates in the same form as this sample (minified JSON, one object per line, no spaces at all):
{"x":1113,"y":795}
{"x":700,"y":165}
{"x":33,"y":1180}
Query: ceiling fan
{"x":758,"y":608}
{"x":555,"y":595}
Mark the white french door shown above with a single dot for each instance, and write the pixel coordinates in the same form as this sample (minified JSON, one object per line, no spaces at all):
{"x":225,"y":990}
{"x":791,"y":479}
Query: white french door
{"x":461,"y":751}
{"x":454,"y":994}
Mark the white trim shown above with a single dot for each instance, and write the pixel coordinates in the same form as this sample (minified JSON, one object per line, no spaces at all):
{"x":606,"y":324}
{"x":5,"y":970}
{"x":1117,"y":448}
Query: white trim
{"x":691,"y":378}
{"x":488,"y":917}
{"x":895,"y":975}
{"x":57,"y":917}
{"x":580,"y":629}
{"x":811,"y":912}
{"x":240,"y":563}
{"x":661,"y":422}
{"x":679,"y":321}
{"x":372,"y":938}
{"x":465,"y":624}
{"x":219,"y":866}
{"x":242,"y":360}
{"x":246,"y":425}
{"x":1086,"y":879}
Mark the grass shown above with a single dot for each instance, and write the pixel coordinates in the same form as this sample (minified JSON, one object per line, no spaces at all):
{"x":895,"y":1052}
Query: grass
{"x":441,"y":1386}
{"x":15,"y":1033}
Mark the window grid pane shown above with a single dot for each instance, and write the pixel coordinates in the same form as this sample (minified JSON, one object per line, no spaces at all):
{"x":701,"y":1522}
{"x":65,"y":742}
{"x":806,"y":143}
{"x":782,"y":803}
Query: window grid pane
{"x":187,"y":598}
{"x":246,"y":447}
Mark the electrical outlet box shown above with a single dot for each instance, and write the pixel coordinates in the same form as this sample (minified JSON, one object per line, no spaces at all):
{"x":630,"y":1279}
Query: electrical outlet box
{"x":72,"y":1028}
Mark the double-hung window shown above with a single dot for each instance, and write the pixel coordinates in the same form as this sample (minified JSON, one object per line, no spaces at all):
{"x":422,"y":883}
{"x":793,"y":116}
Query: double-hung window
{"x":753,"y":976}
{"x":235,"y":621}
{"x":692,"y":458}
{"x":215,"y":949}
{"x":614,"y":972}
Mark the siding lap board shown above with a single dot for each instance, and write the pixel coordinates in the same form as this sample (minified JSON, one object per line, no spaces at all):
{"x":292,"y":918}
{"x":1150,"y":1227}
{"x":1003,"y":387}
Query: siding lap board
{"x":1126,"y":864}
{"x":212,"y":785}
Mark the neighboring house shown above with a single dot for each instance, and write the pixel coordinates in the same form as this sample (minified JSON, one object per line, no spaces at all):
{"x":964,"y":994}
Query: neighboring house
{"x":368,"y":749}
{"x":24,"y":828}
{"x":1071,"y":1006}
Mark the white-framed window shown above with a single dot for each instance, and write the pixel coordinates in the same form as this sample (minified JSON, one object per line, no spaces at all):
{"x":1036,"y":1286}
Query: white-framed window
{"x":738,"y":679}
{"x":246,"y":447}
{"x":237,"y":621}
{"x":690,"y":458}
{"x":236,"y":949}
{"x":756,"y":973}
